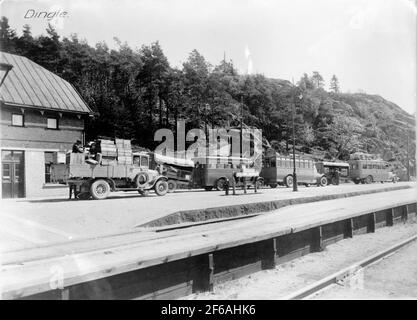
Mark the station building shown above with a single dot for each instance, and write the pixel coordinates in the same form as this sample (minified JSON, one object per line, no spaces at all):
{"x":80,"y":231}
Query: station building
{"x":42,"y":115}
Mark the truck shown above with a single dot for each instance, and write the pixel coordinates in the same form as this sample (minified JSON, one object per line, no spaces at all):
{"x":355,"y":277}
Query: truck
{"x":97,"y":178}
{"x":335,"y":172}
{"x":179,"y":171}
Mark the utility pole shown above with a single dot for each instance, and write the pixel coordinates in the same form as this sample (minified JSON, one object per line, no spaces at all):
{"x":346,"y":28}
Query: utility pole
{"x":294,"y":175}
{"x":408,"y":161}
{"x":241,"y":126}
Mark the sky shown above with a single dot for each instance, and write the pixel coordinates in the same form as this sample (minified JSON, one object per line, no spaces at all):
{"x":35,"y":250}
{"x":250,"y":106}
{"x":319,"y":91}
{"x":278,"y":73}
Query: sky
{"x":370,"y":45}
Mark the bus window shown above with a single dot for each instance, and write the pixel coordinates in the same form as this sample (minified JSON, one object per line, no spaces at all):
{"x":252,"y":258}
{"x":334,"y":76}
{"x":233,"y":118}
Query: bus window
{"x":364,"y":166}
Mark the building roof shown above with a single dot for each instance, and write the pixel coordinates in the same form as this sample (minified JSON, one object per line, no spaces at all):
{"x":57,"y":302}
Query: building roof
{"x":30,"y":85}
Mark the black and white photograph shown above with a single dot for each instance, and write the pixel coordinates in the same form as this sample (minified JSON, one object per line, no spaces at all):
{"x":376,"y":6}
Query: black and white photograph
{"x":208,"y":154}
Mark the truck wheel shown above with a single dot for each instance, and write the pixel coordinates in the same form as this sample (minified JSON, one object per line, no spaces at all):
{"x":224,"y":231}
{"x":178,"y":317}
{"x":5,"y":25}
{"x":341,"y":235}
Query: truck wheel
{"x":369,"y":180}
{"x":273,"y":185}
{"x":172,"y":186}
{"x":100,"y":189}
{"x":288,"y":181}
{"x":220,"y":184}
{"x":161,"y":187}
{"x":208,"y":188}
{"x":356,"y":181}
{"x":141,"y":179}
{"x":323,"y":181}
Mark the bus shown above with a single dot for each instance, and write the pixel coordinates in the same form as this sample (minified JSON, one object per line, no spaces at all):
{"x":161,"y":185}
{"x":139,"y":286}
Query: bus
{"x":368,"y":171}
{"x":329,"y":170}
{"x":278,"y":170}
{"x":213,"y":171}
{"x":367,"y":168}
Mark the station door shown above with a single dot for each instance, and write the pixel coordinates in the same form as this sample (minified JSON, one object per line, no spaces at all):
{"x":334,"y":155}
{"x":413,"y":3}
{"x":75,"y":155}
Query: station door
{"x":12,"y":175}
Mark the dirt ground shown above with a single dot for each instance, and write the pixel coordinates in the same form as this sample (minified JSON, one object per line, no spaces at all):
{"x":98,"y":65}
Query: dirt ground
{"x":395,"y":277}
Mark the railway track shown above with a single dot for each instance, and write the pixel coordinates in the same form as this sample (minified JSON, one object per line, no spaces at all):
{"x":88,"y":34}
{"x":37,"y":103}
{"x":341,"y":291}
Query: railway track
{"x":341,"y":276}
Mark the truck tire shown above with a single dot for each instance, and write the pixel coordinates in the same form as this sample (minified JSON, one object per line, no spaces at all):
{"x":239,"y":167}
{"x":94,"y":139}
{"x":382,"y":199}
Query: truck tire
{"x":141,"y":179}
{"x":208,"y":188}
{"x":100,"y":189}
{"x":161,"y":187}
{"x":288,"y":181}
{"x":369,"y":180}
{"x":323,"y":181}
{"x":172,"y":185}
{"x":273,"y":185}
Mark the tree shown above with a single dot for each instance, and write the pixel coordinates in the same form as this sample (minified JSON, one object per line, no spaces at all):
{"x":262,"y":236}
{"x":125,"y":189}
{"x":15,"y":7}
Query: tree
{"x":334,"y":84}
{"x":344,"y":133}
{"x":152,"y":80}
{"x":7,"y":36}
{"x":305,"y":82}
{"x":317,"y":80}
{"x":196,"y":73}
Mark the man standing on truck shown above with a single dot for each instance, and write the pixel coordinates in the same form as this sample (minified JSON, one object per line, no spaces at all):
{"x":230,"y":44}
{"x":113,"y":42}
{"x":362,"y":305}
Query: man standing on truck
{"x":77,"y":147}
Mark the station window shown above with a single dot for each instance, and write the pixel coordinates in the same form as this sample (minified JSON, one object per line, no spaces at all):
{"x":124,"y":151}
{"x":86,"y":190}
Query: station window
{"x":49,"y":160}
{"x":52,"y":123}
{"x":17,"y":120}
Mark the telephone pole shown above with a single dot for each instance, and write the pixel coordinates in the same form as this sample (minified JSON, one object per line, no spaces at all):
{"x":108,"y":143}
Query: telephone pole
{"x":408,"y":160}
{"x":294,"y":174}
{"x":241,"y":126}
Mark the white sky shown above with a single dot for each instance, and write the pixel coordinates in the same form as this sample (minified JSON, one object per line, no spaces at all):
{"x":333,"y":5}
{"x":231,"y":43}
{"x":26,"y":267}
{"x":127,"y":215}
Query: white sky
{"x":369,"y":44}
